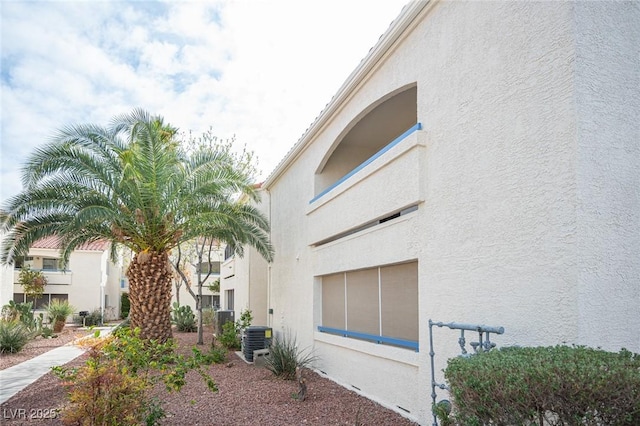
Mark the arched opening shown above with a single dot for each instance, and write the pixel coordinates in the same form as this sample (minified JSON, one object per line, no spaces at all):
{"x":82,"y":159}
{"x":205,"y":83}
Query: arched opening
{"x":367,"y":134}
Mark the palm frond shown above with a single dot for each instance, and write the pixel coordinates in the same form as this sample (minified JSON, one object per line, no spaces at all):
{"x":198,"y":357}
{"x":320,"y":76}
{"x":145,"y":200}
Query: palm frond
{"x":133,"y":184}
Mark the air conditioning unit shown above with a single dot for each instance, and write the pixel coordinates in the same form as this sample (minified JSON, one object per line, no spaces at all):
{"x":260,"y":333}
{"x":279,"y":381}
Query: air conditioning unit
{"x":221,"y":318}
{"x":255,"y":338}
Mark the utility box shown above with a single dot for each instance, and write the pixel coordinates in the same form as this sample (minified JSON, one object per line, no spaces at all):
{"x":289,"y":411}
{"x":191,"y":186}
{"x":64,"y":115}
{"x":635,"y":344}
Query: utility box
{"x":255,"y":338}
{"x":221,"y":318}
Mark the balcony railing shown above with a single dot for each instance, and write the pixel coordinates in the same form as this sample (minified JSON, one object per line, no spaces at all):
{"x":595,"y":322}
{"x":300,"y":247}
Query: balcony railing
{"x":370,"y":160}
{"x":387,"y":184}
{"x":54,"y":277}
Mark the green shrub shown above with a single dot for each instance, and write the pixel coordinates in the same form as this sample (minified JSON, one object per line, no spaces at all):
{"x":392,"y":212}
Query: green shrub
{"x":550,"y":385}
{"x":216,"y":355}
{"x":245,"y":320}
{"x":13,"y":336}
{"x":231,"y":331}
{"x":284,"y":357}
{"x":115,"y":385}
{"x":48,"y":333}
{"x":208,"y":316}
{"x":93,"y":319}
{"x":229,"y":337}
{"x":125,"y":305}
{"x":183,"y":318}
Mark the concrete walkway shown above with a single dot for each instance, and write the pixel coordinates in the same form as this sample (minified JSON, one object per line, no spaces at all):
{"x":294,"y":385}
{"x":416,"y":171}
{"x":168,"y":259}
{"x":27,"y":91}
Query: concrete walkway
{"x":18,"y":377}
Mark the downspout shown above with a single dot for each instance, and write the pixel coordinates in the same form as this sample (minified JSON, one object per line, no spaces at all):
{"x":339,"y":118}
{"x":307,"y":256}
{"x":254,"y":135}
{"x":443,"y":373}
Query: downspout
{"x":269,"y":306}
{"x":103,"y":282}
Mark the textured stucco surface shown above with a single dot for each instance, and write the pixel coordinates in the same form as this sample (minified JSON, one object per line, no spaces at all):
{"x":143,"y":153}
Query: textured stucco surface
{"x":82,"y":281}
{"x":526,"y":179}
{"x":607,"y":93}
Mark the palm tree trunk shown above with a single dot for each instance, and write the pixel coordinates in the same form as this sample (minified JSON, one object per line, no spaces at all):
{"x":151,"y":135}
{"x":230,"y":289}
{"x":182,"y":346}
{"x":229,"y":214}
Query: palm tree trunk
{"x":150,"y":295}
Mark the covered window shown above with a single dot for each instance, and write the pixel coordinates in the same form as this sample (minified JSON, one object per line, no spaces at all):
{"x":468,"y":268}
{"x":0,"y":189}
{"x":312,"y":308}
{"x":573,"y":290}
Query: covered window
{"x":50,"y":264}
{"x":372,"y":302}
{"x":213,"y":267}
{"x":230,"y":301}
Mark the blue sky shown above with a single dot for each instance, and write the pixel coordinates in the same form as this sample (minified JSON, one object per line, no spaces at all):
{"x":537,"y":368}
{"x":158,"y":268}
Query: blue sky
{"x":259,"y":70}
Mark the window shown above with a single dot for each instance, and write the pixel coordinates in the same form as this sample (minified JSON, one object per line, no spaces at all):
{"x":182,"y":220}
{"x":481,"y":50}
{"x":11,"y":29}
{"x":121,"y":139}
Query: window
{"x":228,"y":252}
{"x":23,"y":261}
{"x":210,"y":301}
{"x":214,"y":267}
{"x":42,"y":301}
{"x":373,"y":302}
{"x":50,"y":264}
{"x":229,"y":295}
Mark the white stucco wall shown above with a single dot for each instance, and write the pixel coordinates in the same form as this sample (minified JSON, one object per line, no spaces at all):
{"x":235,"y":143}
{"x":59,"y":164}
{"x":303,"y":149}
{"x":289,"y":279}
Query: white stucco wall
{"x":248,"y":277}
{"x":82,"y":280}
{"x":6,"y":284}
{"x":608,"y":186}
{"x":526,"y":180}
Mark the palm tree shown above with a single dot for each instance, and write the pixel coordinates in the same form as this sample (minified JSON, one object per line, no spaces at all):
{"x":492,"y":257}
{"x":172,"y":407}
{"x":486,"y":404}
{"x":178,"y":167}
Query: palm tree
{"x":133,"y":184}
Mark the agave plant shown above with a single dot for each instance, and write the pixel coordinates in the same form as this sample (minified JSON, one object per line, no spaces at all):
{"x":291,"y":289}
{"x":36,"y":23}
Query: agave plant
{"x":58,"y":312}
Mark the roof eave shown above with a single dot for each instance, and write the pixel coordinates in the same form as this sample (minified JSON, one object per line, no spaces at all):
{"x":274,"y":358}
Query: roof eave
{"x":376,"y":53}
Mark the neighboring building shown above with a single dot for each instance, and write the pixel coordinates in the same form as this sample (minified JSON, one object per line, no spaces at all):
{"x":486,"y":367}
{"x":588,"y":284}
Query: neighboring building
{"x":90,"y":281}
{"x":244,"y":283}
{"x":479,"y":166}
{"x":210,"y":299}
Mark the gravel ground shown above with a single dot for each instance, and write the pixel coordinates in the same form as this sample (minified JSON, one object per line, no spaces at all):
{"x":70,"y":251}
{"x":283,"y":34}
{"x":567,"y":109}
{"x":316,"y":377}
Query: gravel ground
{"x":41,"y":345}
{"x":247,"y":395}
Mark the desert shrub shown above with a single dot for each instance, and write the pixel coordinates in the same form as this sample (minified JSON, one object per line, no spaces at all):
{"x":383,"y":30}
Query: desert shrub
{"x":114,"y":386}
{"x":22,"y":312}
{"x":183,"y":318}
{"x":47,"y":333}
{"x":93,"y":319}
{"x":11,"y":312}
{"x":13,"y":336}
{"x":125,"y":305}
{"x":208,"y":316}
{"x":244,"y":321}
{"x":232,"y":331}
{"x":229,"y":337}
{"x":102,"y":393}
{"x":285,"y":357}
{"x":216,"y":355}
{"x":546,"y":385}
{"x":58,"y":312}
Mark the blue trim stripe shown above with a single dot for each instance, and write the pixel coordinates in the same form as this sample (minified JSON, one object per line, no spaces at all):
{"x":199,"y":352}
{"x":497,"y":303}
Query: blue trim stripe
{"x":372,"y":337}
{"x":397,"y":140}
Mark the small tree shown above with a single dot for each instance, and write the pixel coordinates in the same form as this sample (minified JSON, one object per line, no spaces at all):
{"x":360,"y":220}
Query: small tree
{"x":33,"y":283}
{"x":193,"y":252}
{"x":196,"y":250}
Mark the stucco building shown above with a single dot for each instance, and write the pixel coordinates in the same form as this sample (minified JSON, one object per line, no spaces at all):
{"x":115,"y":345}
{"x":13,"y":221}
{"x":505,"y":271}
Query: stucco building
{"x":89,"y":282}
{"x":210,"y":273}
{"x":481,"y":166}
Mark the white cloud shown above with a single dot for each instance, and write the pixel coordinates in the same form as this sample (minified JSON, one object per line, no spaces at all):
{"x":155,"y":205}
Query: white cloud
{"x":261,"y":70}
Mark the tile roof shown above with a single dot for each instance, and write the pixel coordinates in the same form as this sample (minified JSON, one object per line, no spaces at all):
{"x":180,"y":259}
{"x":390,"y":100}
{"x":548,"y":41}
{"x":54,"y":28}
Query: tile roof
{"x":54,"y":243}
